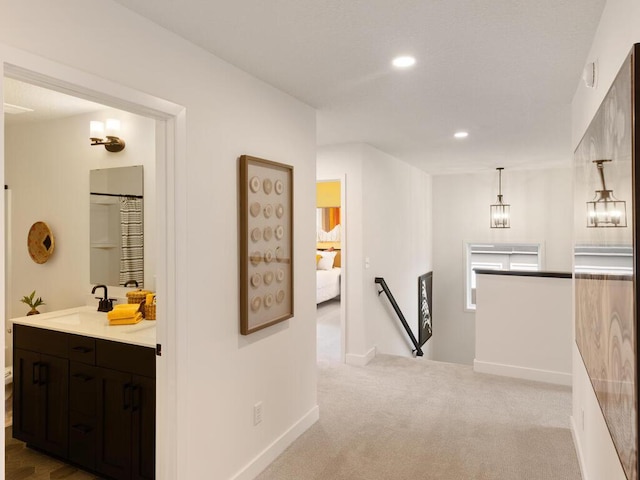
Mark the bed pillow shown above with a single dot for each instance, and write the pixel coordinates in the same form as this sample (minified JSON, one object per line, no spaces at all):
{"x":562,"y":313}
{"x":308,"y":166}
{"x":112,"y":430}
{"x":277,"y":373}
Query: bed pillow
{"x":326,"y":262}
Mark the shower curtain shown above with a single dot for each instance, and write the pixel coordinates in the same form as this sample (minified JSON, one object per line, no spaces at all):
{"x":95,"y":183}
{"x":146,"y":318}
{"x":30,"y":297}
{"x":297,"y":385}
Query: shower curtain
{"x":132,"y":248}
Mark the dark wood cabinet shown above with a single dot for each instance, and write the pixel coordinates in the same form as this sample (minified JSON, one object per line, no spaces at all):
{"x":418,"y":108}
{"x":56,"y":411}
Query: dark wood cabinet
{"x":92,"y":402}
{"x":115,"y":405}
{"x":127,"y":419}
{"x":143,"y":428}
{"x":41,"y":393}
{"x":126,"y":411}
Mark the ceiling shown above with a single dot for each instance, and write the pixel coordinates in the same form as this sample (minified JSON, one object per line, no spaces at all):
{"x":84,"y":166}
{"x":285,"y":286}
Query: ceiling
{"x":503,"y":70}
{"x":45,"y":105}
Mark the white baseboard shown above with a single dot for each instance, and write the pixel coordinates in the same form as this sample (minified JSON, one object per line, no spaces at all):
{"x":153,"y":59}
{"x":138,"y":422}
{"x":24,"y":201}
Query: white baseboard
{"x":269,"y":454}
{"x":578,"y":445}
{"x":547,"y":376}
{"x":360,"y":360}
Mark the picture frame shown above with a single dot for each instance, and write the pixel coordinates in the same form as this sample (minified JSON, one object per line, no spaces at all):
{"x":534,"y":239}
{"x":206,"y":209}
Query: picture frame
{"x":266,"y":243}
{"x":605,"y":291}
{"x":425,"y":299}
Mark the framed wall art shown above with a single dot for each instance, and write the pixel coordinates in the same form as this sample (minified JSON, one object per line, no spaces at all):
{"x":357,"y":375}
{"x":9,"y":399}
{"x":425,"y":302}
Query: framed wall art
{"x":607,"y":242}
{"x":425,"y":296}
{"x":266,"y":243}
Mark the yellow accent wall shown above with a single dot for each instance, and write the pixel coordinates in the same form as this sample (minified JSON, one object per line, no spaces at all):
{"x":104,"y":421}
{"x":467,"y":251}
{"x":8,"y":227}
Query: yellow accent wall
{"x":327,"y":194}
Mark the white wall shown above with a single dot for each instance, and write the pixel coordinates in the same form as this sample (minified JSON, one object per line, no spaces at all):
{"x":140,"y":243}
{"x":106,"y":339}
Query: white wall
{"x":228,"y":113}
{"x":616,"y":33}
{"x":388,"y":216}
{"x":533,"y":342}
{"x":541,"y":202}
{"x":51,"y":184}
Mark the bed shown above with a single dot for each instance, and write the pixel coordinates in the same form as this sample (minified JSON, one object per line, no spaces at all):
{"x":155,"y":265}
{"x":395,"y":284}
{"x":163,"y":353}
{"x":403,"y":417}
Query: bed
{"x":328,"y":268}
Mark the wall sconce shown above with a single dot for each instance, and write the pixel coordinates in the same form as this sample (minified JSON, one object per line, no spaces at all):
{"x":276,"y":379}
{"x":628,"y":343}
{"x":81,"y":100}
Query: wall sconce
{"x":500,"y":212}
{"x":605,"y":210}
{"x":97,"y":133}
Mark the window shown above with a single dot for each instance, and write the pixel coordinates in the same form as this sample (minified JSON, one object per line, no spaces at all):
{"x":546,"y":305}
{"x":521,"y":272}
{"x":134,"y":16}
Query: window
{"x":498,"y":256}
{"x":604,"y":260}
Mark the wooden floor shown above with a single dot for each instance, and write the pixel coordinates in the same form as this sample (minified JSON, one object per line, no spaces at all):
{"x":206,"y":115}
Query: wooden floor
{"x":25,"y":463}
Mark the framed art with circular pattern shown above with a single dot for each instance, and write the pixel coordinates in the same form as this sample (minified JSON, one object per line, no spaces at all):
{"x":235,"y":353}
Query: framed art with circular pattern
{"x":266,"y":243}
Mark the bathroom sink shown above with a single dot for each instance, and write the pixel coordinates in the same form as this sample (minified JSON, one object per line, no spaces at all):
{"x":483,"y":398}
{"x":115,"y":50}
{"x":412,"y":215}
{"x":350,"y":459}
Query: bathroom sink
{"x":79,"y":318}
{"x":73,"y":319}
{"x":88,"y":322}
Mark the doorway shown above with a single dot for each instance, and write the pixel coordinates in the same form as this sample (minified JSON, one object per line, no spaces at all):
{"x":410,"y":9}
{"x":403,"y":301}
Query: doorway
{"x":331,"y":271}
{"x":169,"y":126}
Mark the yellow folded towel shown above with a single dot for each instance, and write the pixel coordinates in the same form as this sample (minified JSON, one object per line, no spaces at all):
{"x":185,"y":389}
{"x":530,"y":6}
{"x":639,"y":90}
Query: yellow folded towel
{"x":127,"y":321}
{"x":123,"y":311}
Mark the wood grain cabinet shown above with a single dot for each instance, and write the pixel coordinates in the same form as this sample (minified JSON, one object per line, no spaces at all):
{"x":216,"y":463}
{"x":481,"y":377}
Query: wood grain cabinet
{"x":126,"y":411}
{"x":41,"y":379}
{"x":87,"y":400}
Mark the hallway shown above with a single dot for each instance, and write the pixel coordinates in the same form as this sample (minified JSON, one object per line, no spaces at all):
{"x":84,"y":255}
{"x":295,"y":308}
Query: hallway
{"x":378,"y":422}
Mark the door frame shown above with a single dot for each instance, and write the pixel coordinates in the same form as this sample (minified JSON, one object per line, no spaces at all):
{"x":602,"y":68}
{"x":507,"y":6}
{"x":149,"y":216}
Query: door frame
{"x":171,"y":271}
{"x":343,"y":252}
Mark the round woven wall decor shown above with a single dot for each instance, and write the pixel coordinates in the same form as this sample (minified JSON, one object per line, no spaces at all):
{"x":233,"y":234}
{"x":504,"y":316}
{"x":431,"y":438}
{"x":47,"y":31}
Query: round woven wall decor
{"x":40,"y":242}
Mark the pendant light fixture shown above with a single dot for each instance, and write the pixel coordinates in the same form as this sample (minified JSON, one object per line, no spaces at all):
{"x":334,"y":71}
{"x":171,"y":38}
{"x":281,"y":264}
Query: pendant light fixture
{"x":500,"y":211}
{"x":605,"y":210}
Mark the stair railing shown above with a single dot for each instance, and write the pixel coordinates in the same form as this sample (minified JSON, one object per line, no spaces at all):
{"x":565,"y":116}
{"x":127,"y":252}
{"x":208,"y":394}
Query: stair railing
{"x":380,"y":281}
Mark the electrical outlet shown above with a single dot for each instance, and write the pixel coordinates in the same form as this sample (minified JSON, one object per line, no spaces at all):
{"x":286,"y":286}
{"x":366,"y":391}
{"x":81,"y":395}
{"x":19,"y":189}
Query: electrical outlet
{"x":257,"y":413}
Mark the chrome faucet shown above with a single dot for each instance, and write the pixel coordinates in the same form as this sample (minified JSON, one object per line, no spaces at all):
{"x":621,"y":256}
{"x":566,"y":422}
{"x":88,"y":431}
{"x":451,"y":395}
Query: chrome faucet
{"x":106,"y":303}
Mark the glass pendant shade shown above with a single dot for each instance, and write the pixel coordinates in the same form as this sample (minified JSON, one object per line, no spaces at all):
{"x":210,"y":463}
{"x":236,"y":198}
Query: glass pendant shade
{"x":500,"y":211}
{"x":500,"y":214}
{"x":605,"y":210}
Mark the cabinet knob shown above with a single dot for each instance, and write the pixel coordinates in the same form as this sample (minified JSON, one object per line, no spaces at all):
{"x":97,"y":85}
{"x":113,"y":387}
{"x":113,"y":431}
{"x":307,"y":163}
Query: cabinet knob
{"x":126,"y":396}
{"x":135,"y":398}
{"x":35,"y":373}
{"x":82,"y":377}
{"x":83,"y":429}
{"x":82,"y":349}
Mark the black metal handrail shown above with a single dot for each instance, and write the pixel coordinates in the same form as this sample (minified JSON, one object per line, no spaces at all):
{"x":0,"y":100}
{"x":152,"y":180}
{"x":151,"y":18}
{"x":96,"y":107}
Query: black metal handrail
{"x":379,"y":280}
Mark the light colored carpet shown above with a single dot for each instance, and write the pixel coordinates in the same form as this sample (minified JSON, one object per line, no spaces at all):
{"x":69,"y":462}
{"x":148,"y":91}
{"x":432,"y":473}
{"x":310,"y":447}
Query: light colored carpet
{"x":328,"y":331}
{"x":405,"y":418}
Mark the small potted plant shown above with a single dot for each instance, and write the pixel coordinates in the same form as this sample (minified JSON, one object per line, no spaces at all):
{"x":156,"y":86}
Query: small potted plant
{"x":34,"y":304}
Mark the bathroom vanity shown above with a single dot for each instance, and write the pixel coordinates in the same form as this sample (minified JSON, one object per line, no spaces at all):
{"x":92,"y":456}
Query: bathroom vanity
{"x":84,"y":391}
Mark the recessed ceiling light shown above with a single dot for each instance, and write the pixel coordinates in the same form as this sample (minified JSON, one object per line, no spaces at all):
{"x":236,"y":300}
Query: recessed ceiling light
{"x":403,"y":62}
{"x":461,"y":134}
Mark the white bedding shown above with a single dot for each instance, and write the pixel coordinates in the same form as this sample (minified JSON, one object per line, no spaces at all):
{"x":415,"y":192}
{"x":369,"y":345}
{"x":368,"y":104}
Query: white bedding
{"x":327,"y":284}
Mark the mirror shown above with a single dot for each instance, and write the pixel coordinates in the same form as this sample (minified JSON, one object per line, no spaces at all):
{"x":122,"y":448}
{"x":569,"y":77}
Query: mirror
{"x":116,"y":226}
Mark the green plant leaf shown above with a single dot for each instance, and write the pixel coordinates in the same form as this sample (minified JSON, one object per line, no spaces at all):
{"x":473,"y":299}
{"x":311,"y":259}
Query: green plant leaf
{"x":28,"y":299}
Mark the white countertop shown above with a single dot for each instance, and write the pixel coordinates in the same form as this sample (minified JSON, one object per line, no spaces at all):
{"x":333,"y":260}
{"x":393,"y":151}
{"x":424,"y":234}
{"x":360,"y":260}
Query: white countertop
{"x":90,"y":323}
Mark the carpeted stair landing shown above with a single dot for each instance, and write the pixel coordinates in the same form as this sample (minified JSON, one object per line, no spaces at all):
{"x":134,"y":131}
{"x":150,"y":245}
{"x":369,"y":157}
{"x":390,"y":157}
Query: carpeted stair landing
{"x":402,"y":418}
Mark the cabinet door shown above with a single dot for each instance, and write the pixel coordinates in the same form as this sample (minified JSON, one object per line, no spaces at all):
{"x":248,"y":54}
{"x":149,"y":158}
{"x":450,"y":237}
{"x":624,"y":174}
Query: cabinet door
{"x":41,"y":384}
{"x":54,"y":390}
{"x":115,"y":397}
{"x":26,"y":396}
{"x":144,"y":428}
